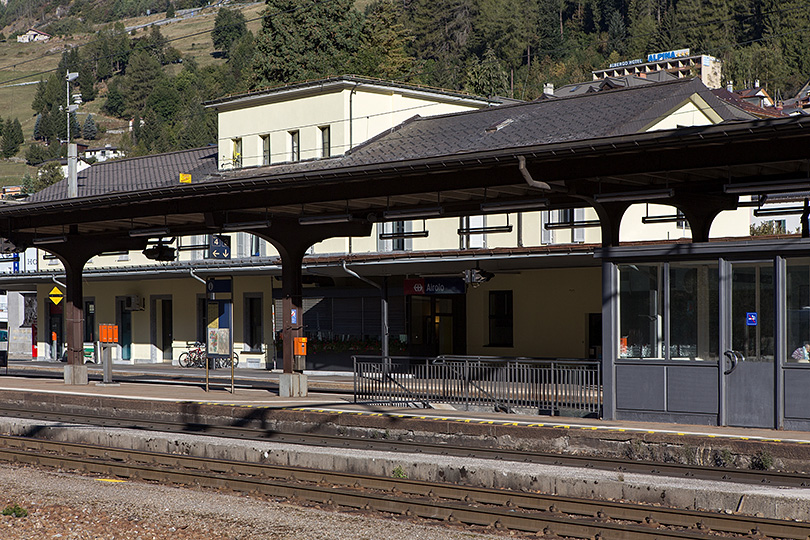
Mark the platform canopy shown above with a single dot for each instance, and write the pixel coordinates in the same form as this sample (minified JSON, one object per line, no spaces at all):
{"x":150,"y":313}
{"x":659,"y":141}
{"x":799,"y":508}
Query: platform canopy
{"x":556,"y":153}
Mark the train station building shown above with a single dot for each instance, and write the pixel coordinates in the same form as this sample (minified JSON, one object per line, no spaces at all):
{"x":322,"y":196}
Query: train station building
{"x":611,"y":225}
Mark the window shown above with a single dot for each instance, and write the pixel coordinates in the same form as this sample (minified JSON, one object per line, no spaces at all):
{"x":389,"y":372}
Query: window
{"x":295,"y":146}
{"x":500,"y":319}
{"x":326,"y":142}
{"x":255,"y":246}
{"x":265,"y":149}
{"x":253,"y":323}
{"x":89,"y":321}
{"x":237,"y":153}
{"x":202,"y":318}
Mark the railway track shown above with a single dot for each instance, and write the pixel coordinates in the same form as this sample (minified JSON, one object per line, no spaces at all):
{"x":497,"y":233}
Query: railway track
{"x":516,"y":511}
{"x":675,"y":470}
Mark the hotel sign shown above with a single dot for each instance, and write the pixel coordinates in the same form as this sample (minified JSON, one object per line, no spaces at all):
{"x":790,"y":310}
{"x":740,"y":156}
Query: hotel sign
{"x":626,"y":63}
{"x":669,"y":55}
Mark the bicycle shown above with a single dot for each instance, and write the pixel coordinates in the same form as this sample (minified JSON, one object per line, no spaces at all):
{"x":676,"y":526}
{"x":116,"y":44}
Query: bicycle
{"x":226,"y":362}
{"x":194,"y":357}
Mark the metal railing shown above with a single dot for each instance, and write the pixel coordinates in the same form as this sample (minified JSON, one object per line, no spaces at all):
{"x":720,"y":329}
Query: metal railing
{"x":567,"y":387}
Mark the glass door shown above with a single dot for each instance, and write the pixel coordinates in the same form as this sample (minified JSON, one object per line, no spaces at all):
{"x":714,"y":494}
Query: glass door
{"x":749,"y":352}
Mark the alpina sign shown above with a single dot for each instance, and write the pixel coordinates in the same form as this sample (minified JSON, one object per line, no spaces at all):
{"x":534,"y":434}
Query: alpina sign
{"x":437,"y":285}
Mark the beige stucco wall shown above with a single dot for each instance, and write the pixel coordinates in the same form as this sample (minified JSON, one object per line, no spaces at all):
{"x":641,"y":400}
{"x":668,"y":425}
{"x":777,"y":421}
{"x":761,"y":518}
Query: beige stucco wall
{"x":550,"y":313}
{"x":354,"y":115}
{"x":183,"y":294}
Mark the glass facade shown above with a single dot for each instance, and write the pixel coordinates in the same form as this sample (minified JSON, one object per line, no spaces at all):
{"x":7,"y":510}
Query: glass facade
{"x":798,"y":310}
{"x":669,"y":311}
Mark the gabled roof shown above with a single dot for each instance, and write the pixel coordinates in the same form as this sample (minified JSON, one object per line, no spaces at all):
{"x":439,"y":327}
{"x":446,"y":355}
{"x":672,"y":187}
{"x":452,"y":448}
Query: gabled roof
{"x":596,"y":115}
{"x":297,"y":89}
{"x":735,"y":99}
{"x":136,"y":174}
{"x":593,"y":116}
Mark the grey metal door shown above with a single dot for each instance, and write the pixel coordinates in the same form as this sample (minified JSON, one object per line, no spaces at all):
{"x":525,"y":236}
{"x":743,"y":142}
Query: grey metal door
{"x":749,"y":361}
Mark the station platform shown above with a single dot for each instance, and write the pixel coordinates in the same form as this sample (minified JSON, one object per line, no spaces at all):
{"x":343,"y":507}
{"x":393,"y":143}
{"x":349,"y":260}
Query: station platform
{"x":330,"y":392}
{"x":165,"y":393}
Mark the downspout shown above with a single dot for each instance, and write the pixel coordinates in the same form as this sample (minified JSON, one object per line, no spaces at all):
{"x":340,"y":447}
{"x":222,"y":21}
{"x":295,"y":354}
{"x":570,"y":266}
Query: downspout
{"x":384,"y":309}
{"x":351,"y":118}
{"x":58,"y":282}
{"x":198,"y":278}
{"x":528,"y":176}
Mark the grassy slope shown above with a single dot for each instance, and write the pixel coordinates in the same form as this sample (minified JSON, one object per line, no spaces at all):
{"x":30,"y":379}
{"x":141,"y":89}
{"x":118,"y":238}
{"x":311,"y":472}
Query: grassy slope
{"x":29,"y":62}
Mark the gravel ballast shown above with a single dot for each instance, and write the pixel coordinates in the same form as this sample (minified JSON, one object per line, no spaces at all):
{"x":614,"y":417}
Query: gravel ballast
{"x":71,"y":506}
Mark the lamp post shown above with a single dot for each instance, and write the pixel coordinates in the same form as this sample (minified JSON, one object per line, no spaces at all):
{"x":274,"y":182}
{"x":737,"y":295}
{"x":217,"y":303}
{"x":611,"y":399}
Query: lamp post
{"x":73,"y":185}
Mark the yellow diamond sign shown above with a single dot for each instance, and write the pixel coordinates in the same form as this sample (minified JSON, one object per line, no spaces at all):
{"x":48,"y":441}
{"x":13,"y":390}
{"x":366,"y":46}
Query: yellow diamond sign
{"x":56,"y":295}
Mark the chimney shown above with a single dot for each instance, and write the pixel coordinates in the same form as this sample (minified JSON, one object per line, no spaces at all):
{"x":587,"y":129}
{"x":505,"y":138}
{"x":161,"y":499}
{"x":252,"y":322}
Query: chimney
{"x":730,"y":86}
{"x":756,"y":83}
{"x":548,"y":89}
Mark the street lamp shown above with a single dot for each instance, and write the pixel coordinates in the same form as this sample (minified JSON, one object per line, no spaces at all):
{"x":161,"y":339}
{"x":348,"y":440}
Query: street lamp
{"x":73,"y":186}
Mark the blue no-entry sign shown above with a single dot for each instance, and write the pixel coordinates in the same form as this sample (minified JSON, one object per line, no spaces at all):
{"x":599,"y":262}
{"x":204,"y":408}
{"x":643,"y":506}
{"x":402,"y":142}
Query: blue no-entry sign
{"x":751,"y":318}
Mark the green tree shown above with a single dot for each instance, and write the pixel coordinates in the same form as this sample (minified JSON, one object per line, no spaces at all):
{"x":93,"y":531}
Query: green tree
{"x":86,"y":83}
{"x":229,"y":26}
{"x":616,"y":34}
{"x":89,"y":129}
{"x":144,"y":73}
{"x":12,"y":138}
{"x":47,"y":175}
{"x":384,"y":42}
{"x":443,"y":35}
{"x":305,"y":40}
{"x":487,"y":77}
{"x":170,"y":11}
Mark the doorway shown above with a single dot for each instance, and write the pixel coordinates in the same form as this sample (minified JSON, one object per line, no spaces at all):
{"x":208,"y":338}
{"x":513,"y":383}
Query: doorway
{"x":436,"y":324}
{"x":123,"y":318}
{"x":749,"y":352}
{"x":162,"y":329}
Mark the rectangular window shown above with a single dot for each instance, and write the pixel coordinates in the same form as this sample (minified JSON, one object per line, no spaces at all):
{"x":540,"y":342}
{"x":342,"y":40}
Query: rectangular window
{"x":89,"y":321}
{"x":265,"y":149}
{"x":202,"y":318}
{"x":255,"y":246}
{"x":326,"y":142}
{"x":640,"y":312}
{"x":295,"y":146}
{"x":500,"y":319}
{"x":253,"y":323}
{"x":237,"y":153}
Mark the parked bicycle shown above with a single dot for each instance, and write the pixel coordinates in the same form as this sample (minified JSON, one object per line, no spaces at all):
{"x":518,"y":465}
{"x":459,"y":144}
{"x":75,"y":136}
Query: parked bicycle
{"x":226,"y":362}
{"x":194,"y":357}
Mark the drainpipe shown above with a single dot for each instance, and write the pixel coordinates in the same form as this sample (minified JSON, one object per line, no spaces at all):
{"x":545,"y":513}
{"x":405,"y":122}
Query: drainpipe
{"x":384,"y":308}
{"x":351,"y":117}
{"x":58,"y":282}
{"x":195,"y":276}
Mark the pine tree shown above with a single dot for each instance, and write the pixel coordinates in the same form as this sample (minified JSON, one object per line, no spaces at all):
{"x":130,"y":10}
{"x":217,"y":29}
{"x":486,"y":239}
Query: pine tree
{"x":443,"y":36}
{"x":89,"y":129}
{"x":143,"y":75}
{"x":305,"y":40}
{"x":38,"y":128}
{"x":384,"y":40}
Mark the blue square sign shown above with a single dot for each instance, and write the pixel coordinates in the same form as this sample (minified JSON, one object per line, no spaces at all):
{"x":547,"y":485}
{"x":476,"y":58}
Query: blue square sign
{"x":751,"y":318}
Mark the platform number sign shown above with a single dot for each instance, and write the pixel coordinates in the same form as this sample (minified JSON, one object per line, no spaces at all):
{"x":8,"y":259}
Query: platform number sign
{"x":751,"y":318}
{"x":219,"y":247}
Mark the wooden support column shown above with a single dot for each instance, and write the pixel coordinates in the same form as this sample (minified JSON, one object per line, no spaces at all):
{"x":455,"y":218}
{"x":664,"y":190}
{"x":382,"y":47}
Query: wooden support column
{"x":74,"y":253}
{"x":292,"y":240}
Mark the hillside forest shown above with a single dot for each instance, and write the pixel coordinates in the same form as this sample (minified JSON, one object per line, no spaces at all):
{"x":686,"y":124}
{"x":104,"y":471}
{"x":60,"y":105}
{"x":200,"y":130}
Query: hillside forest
{"x":487,"y":47}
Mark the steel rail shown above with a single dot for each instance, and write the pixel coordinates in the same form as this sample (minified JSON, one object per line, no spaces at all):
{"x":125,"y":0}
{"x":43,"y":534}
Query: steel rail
{"x":523,"y":511}
{"x":675,"y":470}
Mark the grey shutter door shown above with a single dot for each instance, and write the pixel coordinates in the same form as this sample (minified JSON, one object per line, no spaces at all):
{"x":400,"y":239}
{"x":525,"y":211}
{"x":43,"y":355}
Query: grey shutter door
{"x":348,"y":320}
{"x":318,"y":317}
